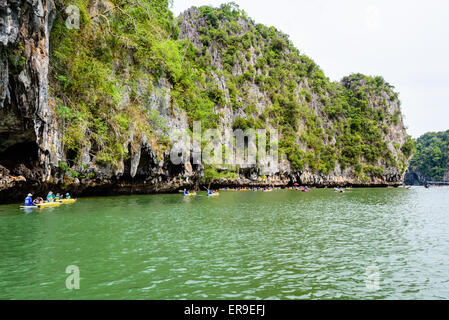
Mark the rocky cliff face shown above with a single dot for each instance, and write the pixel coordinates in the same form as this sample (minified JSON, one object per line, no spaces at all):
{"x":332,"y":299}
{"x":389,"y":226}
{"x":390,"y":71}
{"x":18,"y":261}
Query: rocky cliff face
{"x":413,"y":178}
{"x":254,"y":70}
{"x":251,"y":75}
{"x":28,"y":128}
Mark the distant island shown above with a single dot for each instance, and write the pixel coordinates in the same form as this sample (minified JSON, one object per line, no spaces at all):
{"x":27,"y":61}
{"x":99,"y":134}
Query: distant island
{"x":431,"y":161}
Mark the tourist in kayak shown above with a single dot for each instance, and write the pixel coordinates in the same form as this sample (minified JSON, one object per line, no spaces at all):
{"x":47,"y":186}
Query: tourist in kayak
{"x":29,"y":200}
{"x":67,"y":196}
{"x":38,"y":200}
{"x":186,"y":192}
{"x":50,"y":197}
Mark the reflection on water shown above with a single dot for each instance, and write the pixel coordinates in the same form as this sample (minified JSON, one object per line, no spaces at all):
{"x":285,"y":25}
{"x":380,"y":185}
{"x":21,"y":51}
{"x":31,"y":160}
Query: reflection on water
{"x":240,"y":245}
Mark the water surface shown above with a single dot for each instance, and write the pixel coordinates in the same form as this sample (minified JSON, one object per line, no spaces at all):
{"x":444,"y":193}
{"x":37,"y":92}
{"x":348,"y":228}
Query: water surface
{"x":241,"y":245}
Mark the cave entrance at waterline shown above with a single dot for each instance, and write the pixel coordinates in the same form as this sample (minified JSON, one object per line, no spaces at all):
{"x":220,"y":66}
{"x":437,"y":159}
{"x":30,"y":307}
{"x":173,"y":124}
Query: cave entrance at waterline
{"x":17,"y":142}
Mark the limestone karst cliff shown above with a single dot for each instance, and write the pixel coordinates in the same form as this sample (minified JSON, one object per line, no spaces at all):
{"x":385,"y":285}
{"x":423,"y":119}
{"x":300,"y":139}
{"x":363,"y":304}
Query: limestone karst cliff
{"x":430,"y":164}
{"x":90,"y":109}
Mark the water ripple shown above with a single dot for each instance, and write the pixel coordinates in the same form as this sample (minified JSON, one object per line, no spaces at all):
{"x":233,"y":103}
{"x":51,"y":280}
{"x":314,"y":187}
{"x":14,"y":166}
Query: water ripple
{"x":280,"y":245}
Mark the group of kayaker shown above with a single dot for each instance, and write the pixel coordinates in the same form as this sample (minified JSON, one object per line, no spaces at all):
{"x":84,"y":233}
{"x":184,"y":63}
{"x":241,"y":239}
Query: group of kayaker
{"x":267,"y":189}
{"x":51,"y":197}
{"x":211,"y":192}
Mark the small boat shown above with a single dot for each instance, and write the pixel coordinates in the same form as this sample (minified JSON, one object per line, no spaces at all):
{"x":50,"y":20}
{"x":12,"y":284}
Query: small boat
{"x":214,"y":194}
{"x":192,"y":194}
{"x":49,"y":204}
{"x":43,"y":205}
{"x":67,"y":201}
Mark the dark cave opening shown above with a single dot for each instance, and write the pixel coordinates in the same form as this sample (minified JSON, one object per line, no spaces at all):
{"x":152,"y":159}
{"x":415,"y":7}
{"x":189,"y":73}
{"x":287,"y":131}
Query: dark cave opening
{"x":25,"y":153}
{"x":175,"y":170}
{"x":18,"y":144}
{"x":71,"y":157}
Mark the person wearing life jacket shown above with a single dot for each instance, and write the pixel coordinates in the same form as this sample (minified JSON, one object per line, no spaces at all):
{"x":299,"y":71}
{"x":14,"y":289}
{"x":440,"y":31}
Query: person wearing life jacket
{"x":186,"y":192}
{"x":50,"y":197}
{"x":67,"y":196}
{"x":38,"y":200}
{"x":29,"y":200}
{"x":209,"y":192}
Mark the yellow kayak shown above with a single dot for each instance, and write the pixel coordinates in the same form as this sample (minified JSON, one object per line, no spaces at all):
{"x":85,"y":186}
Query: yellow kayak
{"x":49,"y":204}
{"x":66,"y":201}
{"x":190,"y":194}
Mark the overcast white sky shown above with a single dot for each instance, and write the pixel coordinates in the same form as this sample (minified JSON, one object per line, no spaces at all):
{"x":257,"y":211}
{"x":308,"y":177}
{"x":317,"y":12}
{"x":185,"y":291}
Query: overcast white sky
{"x":406,"y":42}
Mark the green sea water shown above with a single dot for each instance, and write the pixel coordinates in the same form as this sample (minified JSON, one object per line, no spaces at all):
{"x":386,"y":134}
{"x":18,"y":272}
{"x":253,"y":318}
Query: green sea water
{"x":363,"y":244}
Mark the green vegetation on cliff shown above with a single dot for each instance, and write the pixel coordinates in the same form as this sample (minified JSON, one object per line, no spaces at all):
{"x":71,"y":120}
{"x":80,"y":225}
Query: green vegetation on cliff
{"x":104,"y":77}
{"x":104,"y":74}
{"x":354,"y":118}
{"x":432,"y":157}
